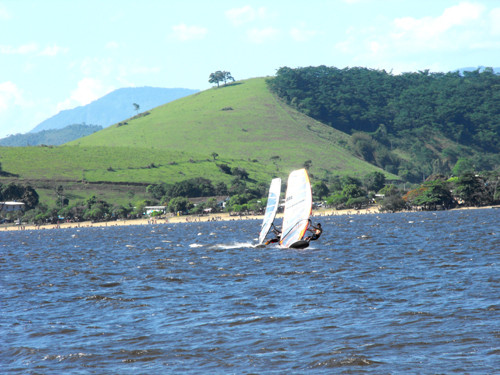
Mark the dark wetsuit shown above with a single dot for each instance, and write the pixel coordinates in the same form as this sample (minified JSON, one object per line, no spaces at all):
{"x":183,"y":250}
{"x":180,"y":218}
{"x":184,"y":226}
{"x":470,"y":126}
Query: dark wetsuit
{"x":277,"y":233}
{"x":316,"y":233}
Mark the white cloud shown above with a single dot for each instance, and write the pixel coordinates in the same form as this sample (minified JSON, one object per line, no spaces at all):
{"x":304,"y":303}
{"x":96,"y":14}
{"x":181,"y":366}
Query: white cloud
{"x":92,"y":66}
{"x":462,"y":29}
{"x":88,"y":90}
{"x":246,"y":14}
{"x":455,"y":25}
{"x":495,"y":21}
{"x":53,"y":50}
{"x":4,"y":13}
{"x":259,"y":36}
{"x":112,"y":45}
{"x":21,"y":50}
{"x":184,"y":33}
{"x":302,"y":34}
{"x":10,"y":95}
{"x":32,"y":48}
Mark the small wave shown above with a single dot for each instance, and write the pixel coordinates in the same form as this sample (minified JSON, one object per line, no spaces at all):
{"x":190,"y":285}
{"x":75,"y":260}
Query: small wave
{"x":193,"y":245}
{"x":236,"y":245}
{"x":349,"y":361}
{"x":109,"y":285}
{"x":63,"y":357}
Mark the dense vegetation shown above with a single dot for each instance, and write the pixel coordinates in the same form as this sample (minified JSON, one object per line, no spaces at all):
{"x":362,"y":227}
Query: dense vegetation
{"x":344,"y":192}
{"x":411,"y":124}
{"x":228,"y":142}
{"x":53,"y":137}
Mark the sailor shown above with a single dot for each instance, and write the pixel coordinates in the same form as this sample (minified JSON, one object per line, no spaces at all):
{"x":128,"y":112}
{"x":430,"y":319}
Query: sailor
{"x":316,"y":232}
{"x":277,"y":233}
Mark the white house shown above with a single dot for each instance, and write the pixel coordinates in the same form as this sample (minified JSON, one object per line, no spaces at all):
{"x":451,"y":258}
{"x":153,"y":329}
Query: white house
{"x":11,"y":206}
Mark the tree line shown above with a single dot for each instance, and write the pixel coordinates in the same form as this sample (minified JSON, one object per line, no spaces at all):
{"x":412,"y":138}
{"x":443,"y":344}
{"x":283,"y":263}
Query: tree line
{"x":340,"y":192}
{"x":434,"y":118}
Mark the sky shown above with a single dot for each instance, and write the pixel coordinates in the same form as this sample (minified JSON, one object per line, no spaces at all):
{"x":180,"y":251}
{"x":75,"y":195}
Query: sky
{"x":60,"y":54}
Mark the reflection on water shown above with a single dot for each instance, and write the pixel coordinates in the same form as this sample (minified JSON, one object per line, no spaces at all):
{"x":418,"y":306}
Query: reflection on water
{"x":376,"y":294}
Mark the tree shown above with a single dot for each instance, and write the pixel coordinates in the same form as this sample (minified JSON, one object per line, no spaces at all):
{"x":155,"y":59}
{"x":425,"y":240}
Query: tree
{"x":393,"y":201}
{"x":30,"y":197}
{"x":221,"y":188}
{"x":224,"y":168}
{"x":431,"y":195}
{"x":320,"y":189}
{"x":471,"y":190}
{"x":11,"y":192}
{"x":374,"y":181}
{"x":462,"y":166}
{"x":240,"y":172}
{"x":352,"y":191}
{"x":215,"y":155}
{"x":60,"y":195}
{"x":216,"y":77}
{"x":157,"y":191}
{"x":136,"y":107}
{"x":226,"y":76}
{"x":220,"y":76}
{"x":179,"y":204}
{"x":348,"y":180}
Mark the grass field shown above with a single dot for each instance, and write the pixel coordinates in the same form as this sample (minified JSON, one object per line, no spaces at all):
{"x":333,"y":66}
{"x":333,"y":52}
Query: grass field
{"x":243,"y":123}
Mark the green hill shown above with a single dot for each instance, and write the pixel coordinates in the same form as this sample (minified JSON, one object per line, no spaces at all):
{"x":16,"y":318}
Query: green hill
{"x":241,"y":125}
{"x":412,"y":124}
{"x":243,"y":121}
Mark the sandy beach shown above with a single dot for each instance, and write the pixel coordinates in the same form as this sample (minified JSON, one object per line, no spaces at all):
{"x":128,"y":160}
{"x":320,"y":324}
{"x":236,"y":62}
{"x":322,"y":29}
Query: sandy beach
{"x":178,"y":219}
{"x":195,"y":218}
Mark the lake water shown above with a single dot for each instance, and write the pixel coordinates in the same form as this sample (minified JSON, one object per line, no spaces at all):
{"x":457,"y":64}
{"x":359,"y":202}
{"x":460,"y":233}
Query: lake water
{"x":376,"y":294}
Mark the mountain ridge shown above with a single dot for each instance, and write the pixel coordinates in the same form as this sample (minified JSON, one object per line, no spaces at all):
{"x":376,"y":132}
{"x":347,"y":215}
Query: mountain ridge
{"x":113,"y":107}
{"x":50,"y":137}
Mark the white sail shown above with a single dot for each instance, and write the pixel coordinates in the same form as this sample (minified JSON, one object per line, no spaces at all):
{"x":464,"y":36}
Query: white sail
{"x":273,"y":200}
{"x":298,"y":206}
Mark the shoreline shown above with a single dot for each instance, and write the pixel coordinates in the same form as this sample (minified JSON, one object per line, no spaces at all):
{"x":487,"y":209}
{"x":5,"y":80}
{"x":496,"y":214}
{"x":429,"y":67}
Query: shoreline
{"x":195,"y":219}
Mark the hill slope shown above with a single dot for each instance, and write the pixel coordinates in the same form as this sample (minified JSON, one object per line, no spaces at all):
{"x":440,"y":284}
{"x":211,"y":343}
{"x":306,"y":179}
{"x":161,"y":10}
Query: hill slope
{"x":113,"y":107}
{"x":242,"y":125}
{"x":239,"y":121}
{"x":413,"y":124}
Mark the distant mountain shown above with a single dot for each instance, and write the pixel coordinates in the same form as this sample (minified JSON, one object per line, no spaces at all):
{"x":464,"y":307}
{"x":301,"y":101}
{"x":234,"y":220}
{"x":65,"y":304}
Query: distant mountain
{"x":114,"y":107}
{"x":52,"y":137}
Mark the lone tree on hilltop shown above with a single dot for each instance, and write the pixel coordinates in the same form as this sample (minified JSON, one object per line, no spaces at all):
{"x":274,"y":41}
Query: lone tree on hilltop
{"x":136,"y":107}
{"x":220,"y":76}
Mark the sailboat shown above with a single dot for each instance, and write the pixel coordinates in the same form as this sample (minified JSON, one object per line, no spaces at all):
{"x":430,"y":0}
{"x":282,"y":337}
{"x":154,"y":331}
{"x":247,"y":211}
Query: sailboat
{"x":271,"y":208}
{"x":298,"y":208}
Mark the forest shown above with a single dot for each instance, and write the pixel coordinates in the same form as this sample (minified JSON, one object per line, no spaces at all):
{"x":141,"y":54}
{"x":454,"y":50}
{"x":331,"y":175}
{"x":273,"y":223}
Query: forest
{"x":413,"y":124}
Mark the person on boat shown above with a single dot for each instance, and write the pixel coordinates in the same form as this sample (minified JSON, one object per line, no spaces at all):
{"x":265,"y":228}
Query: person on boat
{"x":316,"y":232}
{"x":277,"y":233}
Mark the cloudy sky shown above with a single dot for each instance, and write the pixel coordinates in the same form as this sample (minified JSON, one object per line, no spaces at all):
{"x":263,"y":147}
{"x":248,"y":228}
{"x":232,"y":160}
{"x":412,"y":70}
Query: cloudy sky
{"x":59,"y":54}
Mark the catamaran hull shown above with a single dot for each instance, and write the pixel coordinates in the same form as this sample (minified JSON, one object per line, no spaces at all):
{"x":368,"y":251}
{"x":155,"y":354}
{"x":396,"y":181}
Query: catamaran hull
{"x":299,"y":245}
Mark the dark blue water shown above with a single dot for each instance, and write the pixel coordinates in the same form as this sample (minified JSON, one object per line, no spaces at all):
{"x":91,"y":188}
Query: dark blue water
{"x":391,"y":293}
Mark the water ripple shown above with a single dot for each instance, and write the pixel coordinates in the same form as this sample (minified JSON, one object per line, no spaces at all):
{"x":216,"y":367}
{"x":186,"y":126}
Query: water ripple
{"x":385,"y":293}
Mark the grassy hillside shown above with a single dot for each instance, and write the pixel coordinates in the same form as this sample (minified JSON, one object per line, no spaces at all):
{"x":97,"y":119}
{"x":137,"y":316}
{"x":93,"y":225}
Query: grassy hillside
{"x":240,"y":121}
{"x":243,"y":123}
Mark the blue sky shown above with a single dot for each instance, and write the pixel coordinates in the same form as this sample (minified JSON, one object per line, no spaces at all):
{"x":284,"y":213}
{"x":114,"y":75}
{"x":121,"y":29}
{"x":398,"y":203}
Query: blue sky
{"x":59,"y":54}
